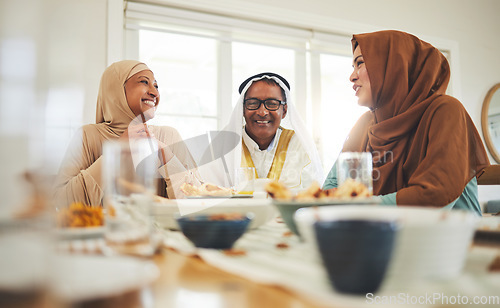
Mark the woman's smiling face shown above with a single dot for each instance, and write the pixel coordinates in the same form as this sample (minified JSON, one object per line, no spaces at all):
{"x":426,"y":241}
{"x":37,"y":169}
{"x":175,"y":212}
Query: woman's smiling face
{"x":361,"y":80}
{"x":142,"y":93}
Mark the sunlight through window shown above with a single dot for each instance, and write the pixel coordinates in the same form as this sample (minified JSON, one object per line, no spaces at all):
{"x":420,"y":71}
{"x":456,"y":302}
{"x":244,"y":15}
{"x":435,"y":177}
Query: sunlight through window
{"x":339,"y":106}
{"x":251,"y":59}
{"x":186,"y":70}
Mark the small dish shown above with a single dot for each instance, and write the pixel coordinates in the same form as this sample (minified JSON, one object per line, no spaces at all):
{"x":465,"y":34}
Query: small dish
{"x":237,"y":196}
{"x":355,"y":253}
{"x":217,"y":231}
{"x":165,"y":211}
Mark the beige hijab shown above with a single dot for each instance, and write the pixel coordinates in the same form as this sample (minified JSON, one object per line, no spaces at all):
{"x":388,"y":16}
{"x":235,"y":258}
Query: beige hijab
{"x":79,"y":178}
{"x":112,"y":107}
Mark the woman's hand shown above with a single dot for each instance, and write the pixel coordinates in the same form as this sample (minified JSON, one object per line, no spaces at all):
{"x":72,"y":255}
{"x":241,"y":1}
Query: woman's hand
{"x":142,"y":131}
{"x":135,"y":131}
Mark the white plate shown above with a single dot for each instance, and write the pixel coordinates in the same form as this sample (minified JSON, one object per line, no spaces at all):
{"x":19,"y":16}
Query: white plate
{"x":221,"y":197}
{"x":84,"y":277}
{"x":165,"y":211}
{"x":23,"y":260}
{"x":489,"y":223}
{"x":80,"y":233}
{"x":320,"y":202}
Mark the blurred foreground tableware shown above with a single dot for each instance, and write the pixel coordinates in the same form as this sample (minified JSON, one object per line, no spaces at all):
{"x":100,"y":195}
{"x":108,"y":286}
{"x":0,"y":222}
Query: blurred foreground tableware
{"x":76,"y":278}
{"x":129,"y":169}
{"x":165,"y":210}
{"x":26,"y":224}
{"x":355,"y":253}
{"x":357,"y":167}
{"x":218,"y":231}
{"x":24,"y":255}
{"x":488,"y":230}
{"x":431,"y":244}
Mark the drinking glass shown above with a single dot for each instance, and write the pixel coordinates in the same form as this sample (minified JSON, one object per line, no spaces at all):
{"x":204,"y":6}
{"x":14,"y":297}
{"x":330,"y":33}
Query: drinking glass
{"x":357,"y":166}
{"x":129,"y":170}
{"x":245,"y":180}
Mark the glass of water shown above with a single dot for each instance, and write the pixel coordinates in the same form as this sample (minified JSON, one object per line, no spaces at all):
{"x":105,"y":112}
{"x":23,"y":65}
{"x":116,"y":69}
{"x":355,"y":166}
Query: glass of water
{"x":357,"y":166}
{"x":129,"y":171}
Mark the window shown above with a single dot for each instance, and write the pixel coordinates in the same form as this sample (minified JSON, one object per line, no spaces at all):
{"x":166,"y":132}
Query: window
{"x":250,"y":59}
{"x":339,"y":107}
{"x":186,"y":70}
{"x":200,"y":59}
{"x":199,"y":67}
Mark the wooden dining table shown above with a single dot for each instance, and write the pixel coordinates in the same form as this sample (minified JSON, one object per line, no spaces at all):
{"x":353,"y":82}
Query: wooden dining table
{"x":186,"y":280}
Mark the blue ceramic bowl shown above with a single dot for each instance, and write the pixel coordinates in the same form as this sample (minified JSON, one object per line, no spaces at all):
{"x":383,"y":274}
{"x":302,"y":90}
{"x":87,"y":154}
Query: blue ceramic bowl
{"x":205,"y":232}
{"x":356,"y":253}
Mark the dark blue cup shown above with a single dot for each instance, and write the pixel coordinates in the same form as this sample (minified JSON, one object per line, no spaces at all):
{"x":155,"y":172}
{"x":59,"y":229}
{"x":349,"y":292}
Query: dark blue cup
{"x":205,"y":232}
{"x":355,"y":253}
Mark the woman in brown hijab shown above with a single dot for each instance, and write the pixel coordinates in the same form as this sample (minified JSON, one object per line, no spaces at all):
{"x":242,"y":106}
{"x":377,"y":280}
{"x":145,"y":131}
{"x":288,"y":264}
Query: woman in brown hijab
{"x":426,"y":149}
{"x":128,"y":95}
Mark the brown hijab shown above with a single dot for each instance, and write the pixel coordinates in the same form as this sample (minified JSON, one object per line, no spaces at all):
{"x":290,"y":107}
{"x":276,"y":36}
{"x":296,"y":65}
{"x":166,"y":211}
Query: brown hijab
{"x":424,"y":144}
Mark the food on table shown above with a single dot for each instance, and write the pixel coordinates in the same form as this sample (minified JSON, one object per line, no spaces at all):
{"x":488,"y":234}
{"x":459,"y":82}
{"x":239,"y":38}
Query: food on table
{"x":282,"y":245}
{"x":352,"y":189}
{"x":495,"y":265}
{"x":348,"y":190}
{"x":190,"y":190}
{"x":314,"y":191}
{"x":222,"y":216}
{"x":235,"y":252}
{"x":226,"y":216}
{"x":492,"y":225}
{"x":79,"y":215}
{"x":205,"y":189}
{"x":278,"y":190}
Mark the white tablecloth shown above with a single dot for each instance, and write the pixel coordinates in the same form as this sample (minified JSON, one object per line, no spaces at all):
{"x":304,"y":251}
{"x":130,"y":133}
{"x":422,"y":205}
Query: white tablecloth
{"x":297,"y":269}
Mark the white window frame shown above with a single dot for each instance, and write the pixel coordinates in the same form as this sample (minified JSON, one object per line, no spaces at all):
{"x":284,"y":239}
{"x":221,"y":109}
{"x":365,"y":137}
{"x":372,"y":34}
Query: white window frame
{"x":287,"y":27}
{"x":261,"y":12}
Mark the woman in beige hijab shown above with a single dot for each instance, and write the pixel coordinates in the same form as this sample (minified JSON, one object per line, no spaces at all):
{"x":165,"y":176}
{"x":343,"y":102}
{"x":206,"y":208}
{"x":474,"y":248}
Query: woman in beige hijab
{"x":128,"y":95}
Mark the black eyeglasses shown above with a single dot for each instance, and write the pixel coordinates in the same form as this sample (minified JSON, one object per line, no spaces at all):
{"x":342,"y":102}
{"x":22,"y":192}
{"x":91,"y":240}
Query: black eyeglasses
{"x":271,"y":104}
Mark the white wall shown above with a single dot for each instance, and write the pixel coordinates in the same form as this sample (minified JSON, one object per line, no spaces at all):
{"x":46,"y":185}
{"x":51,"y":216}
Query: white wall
{"x":52,"y":53}
{"x":69,"y":38}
